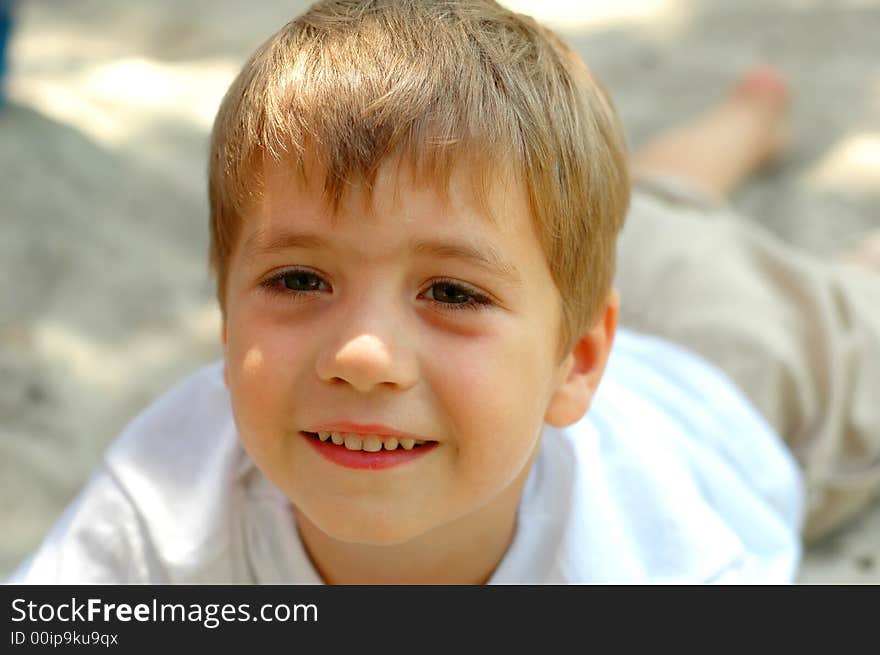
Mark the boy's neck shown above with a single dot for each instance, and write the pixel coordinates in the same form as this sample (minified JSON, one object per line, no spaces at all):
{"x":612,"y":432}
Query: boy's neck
{"x":465,"y":551}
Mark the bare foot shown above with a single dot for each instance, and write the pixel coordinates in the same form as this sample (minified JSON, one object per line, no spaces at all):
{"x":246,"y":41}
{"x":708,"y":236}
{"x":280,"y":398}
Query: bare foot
{"x":717,"y":152}
{"x":765,"y":95}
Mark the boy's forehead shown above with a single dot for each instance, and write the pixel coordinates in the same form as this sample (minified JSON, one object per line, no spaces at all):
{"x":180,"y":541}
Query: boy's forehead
{"x":468,"y":190}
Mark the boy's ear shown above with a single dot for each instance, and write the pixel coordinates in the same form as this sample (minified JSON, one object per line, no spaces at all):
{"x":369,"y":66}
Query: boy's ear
{"x":583,"y":368}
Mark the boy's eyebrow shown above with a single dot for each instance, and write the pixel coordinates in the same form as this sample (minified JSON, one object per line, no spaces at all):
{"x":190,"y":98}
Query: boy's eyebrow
{"x":484,"y":254}
{"x":259,"y":243}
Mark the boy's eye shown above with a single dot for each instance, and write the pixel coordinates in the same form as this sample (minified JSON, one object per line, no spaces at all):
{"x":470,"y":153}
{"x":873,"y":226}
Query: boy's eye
{"x":295,"y":281}
{"x":456,"y":296}
{"x":449,"y":293}
{"x":300,"y":281}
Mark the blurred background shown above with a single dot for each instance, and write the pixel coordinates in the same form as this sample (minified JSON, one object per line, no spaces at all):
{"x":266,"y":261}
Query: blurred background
{"x":105,"y":296}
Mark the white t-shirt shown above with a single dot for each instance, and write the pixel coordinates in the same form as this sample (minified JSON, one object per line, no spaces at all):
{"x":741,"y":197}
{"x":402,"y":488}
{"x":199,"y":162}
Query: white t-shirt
{"x":671,"y":477}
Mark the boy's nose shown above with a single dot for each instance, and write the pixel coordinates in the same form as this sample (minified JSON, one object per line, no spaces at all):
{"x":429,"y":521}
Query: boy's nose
{"x":366,"y":361}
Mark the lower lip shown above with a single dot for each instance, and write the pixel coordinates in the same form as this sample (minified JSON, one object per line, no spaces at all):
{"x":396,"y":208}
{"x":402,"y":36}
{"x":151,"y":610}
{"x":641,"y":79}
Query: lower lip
{"x":364,"y":460}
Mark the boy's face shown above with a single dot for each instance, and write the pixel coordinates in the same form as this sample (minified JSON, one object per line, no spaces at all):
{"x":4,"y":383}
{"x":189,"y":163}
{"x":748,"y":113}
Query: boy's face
{"x":411,"y":315}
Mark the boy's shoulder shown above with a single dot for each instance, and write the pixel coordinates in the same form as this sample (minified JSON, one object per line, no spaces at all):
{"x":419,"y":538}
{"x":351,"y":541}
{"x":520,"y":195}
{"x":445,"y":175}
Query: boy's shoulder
{"x":159,"y":506}
{"x":188,"y":429}
{"x":671,"y":476}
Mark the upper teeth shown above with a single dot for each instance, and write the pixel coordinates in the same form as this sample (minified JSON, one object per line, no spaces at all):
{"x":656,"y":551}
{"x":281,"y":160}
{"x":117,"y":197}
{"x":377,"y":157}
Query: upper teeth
{"x":370,"y":442}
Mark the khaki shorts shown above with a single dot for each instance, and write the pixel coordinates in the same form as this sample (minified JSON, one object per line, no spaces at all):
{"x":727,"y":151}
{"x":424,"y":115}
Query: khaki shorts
{"x":801,"y":336}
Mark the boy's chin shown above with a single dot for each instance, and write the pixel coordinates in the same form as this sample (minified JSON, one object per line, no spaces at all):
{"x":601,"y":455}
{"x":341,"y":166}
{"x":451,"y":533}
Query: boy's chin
{"x":365,"y":529}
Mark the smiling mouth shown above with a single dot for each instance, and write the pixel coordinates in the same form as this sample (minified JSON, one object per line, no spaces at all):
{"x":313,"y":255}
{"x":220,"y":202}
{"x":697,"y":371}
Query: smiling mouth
{"x":369,"y":443}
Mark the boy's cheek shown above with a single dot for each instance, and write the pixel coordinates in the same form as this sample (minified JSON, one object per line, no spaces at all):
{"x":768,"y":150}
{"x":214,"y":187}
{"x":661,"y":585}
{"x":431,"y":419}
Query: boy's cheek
{"x":249,"y":382}
{"x":248,"y":366}
{"x":251,"y":347}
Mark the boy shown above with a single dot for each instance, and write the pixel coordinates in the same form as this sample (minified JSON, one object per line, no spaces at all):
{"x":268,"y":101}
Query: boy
{"x":414,"y":214}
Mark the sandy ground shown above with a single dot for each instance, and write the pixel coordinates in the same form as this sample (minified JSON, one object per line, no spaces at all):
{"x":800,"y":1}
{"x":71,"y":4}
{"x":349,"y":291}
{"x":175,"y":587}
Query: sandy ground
{"x":105,"y":298}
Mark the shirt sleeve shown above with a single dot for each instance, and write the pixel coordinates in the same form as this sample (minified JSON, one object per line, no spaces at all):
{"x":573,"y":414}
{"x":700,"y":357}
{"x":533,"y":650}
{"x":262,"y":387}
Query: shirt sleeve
{"x":99,"y":539}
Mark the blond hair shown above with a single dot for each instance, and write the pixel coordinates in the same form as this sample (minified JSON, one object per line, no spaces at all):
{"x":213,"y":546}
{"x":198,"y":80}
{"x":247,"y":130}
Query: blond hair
{"x":352,"y":82}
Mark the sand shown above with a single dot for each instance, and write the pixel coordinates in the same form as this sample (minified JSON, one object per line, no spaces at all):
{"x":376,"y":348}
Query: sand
{"x":105,"y":297}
